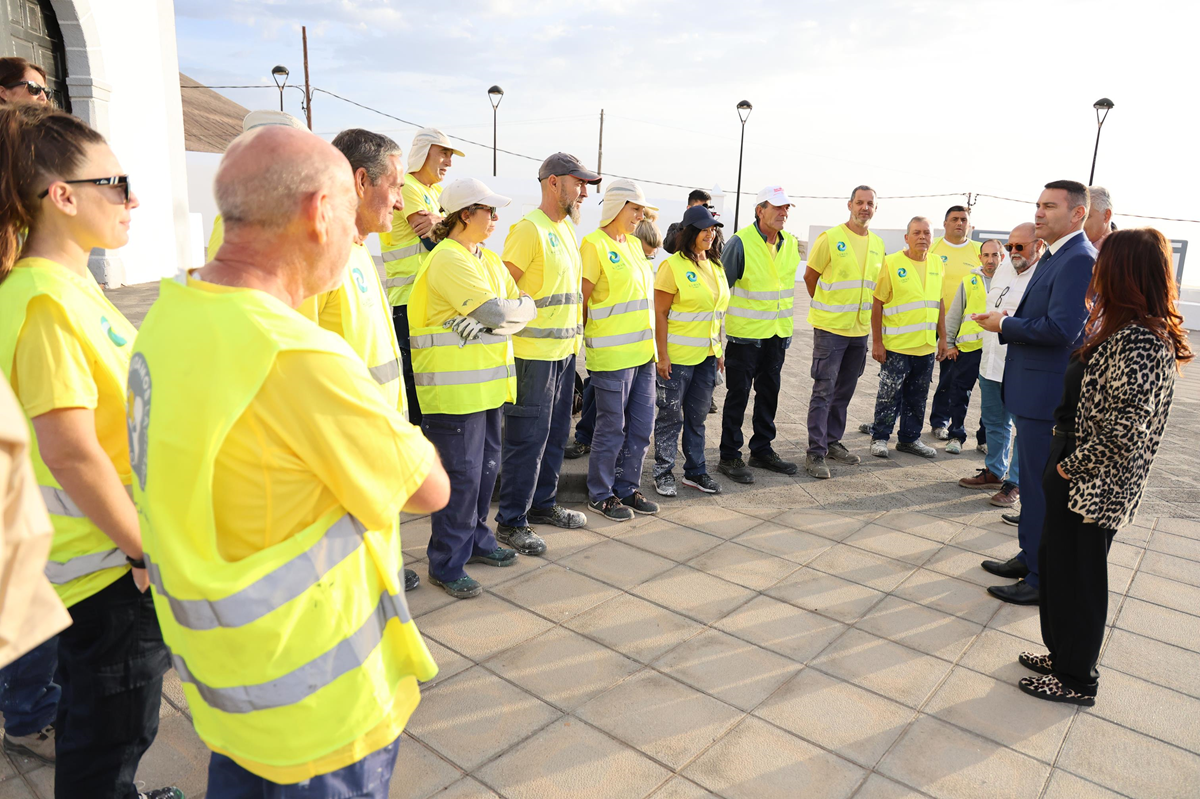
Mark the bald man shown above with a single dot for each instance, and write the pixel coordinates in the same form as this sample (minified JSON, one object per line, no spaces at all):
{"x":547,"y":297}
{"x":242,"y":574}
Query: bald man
{"x":270,"y":509}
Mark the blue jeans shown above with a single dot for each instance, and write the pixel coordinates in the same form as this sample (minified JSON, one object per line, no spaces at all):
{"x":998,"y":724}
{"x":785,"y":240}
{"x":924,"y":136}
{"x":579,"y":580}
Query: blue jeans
{"x":903,"y":392}
{"x":683,"y":403}
{"x":585,"y":428}
{"x":535,"y":433}
{"x":28,"y":693}
{"x":958,"y":392}
{"x":943,"y":406}
{"x":624,"y":402}
{"x":366,"y":779}
{"x":469,"y":446}
{"x":1001,"y":443}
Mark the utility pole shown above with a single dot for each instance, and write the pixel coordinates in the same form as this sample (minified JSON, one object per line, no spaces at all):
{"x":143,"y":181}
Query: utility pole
{"x":600,"y":153}
{"x":307,"y":87}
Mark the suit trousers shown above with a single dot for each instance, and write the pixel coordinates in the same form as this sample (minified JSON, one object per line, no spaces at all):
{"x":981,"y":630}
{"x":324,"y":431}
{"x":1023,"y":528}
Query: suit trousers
{"x":1032,"y":454}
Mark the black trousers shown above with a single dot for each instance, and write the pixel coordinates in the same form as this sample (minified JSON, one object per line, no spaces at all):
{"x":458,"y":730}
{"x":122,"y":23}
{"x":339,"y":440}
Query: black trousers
{"x":1073,"y":563}
{"x":400,"y":319}
{"x":749,"y":366}
{"x":111,"y":661}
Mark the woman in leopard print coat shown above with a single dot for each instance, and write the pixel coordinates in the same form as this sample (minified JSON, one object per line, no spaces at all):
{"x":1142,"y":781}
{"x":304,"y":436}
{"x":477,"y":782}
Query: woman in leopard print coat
{"x":1116,"y":396}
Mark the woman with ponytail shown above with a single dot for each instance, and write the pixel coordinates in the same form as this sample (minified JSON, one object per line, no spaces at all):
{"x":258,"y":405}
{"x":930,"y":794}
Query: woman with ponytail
{"x":64,"y":348}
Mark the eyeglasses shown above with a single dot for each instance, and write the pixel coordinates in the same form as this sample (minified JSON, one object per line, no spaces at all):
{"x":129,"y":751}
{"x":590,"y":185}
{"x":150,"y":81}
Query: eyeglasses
{"x":34,"y":89}
{"x":120,"y":181}
{"x":1000,"y":298}
{"x":1017,"y":247}
{"x":491,"y":210}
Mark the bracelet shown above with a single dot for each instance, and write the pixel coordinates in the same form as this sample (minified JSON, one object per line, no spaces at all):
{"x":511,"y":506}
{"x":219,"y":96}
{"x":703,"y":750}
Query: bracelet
{"x":140,"y":563}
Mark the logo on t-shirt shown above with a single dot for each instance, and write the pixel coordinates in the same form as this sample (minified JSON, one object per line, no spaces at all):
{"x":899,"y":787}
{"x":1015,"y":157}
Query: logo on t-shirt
{"x":614,"y":257}
{"x":691,"y":276}
{"x":841,"y":247}
{"x":901,"y":272}
{"x":974,"y":281}
{"x":359,"y":280}
{"x":113,"y":336}
{"x":553,"y":239}
{"x":945,"y":258}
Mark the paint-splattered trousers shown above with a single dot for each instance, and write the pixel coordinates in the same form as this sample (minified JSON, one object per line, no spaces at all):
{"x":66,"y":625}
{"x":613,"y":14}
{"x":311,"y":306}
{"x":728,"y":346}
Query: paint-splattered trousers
{"x":683,"y":403}
{"x":903,"y":392}
{"x":624,"y":401}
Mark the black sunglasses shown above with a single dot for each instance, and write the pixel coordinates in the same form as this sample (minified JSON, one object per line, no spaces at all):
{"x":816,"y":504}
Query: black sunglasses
{"x":1017,"y":247}
{"x":34,"y":89}
{"x":490,"y":209}
{"x":120,"y":181}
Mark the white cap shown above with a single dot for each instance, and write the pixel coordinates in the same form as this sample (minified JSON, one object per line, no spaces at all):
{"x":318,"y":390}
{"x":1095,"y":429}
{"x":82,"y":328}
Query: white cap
{"x":264,"y":117}
{"x":775,"y":195}
{"x":469,"y":191}
{"x":619,"y":192}
{"x":420,"y":147}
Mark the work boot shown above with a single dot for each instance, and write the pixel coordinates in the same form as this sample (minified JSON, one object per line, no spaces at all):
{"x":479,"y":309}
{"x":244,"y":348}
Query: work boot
{"x":576,"y":449}
{"x":917,"y":448}
{"x":162,"y":793}
{"x":558,"y":516}
{"x":611,"y":508}
{"x":1007,"y":496}
{"x":665,"y":485}
{"x":865,"y":429}
{"x":499,"y":556}
{"x":704,"y":483}
{"x":954,"y":447}
{"x":712,"y":406}
{"x":941,"y":433}
{"x":522,"y":539}
{"x":879,"y":448}
{"x":838,"y":451}
{"x":38,"y":745}
{"x":735,"y":469}
{"x":411,"y":580}
{"x":638,"y":502}
{"x":462,"y":588}
{"x":774,"y":463}
{"x":815,"y":466}
{"x":983,"y":479}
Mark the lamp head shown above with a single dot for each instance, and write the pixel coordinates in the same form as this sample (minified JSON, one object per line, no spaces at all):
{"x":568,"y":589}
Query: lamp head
{"x":495,"y":95}
{"x":744,"y":108}
{"x":280,"y":74}
{"x":1103,"y":103}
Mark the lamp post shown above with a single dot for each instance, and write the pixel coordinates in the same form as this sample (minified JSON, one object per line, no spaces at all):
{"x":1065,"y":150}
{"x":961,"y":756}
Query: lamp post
{"x":743,"y":108}
{"x":495,"y":95}
{"x":280,"y":74}
{"x":1103,"y":104}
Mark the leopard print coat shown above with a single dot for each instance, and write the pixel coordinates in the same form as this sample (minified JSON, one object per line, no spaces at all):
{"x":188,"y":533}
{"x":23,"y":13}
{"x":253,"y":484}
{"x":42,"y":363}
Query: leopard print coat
{"x":1127,"y":389}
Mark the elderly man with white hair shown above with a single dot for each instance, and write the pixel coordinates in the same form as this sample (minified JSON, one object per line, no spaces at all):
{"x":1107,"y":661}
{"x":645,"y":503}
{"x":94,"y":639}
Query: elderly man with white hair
{"x":1099,"y":222}
{"x":269,"y":476}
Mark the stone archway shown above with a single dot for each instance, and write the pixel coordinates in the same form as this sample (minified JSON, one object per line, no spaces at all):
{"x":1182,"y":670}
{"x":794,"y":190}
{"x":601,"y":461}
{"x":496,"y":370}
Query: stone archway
{"x":86,"y":85}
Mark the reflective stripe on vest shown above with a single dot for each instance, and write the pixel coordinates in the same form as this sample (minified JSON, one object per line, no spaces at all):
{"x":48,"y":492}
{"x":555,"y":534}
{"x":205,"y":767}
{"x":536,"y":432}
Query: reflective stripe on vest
{"x":73,"y":569}
{"x":618,"y":339}
{"x":747,"y":313}
{"x":385,"y":373}
{"x":402,"y":253}
{"x":550,"y":332}
{"x":854,"y":308}
{"x":465,"y":377}
{"x":607,"y":311}
{"x":699,"y":316}
{"x":762,"y":300}
{"x":970,"y":334}
{"x":554,"y":300}
{"x":970,"y":337}
{"x":738,"y":291}
{"x":694,"y":320}
{"x":557,"y":330}
{"x":892,"y":310}
{"x":397,"y":282}
{"x":899,"y":331}
{"x":843,"y":297}
{"x":59,"y":504}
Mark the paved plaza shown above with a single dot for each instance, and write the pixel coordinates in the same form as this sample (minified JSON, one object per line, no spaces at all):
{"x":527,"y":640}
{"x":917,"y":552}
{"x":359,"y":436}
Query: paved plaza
{"x":793,"y":638}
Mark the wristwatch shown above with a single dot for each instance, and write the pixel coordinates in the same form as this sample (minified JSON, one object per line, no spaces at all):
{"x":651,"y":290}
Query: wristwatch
{"x":140,"y":563}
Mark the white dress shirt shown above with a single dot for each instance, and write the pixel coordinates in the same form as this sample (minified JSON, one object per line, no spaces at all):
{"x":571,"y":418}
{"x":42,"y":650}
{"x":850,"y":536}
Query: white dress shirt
{"x":1004,"y":296}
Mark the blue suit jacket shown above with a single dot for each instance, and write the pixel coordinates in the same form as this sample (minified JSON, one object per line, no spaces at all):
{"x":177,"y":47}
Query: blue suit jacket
{"x":1046,"y":329}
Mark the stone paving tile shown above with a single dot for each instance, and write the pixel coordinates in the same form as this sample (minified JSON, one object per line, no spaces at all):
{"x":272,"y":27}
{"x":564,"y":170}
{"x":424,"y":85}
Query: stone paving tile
{"x":1177,"y":545}
{"x":963,"y":564}
{"x":1151,"y":709}
{"x":894,"y":671}
{"x":17,"y":789}
{"x":563,"y":668}
{"x":634,"y":627}
{"x":1125,"y":555}
{"x":995,"y":653}
{"x":948,"y":762}
{"x":466,"y":788}
{"x":866,"y":568}
{"x":877,"y":787}
{"x":784,"y":629}
{"x":1152,"y":660}
{"x":569,"y":758}
{"x":1164,"y":624}
{"x":1168,"y":593}
{"x":473,"y":716}
{"x":1179,"y":569}
{"x":1065,"y":785}
{"x":672,"y":541}
{"x":483,"y":626}
{"x":814,"y":590}
{"x":419,"y":771}
{"x":992,"y":544}
{"x":757,"y":760}
{"x":680,"y":788}
{"x":797,"y":546}
{"x":838,"y":716}
{"x":894,"y":544}
{"x":491,"y":577}
{"x":727,"y":668}
{"x":835,"y":526}
{"x":660,"y":717}
{"x":949,"y":595}
{"x":427,"y":597}
{"x":747,"y":567}
{"x":712,"y":519}
{"x":556,"y":593}
{"x":1128,"y":762}
{"x":562,"y":543}
{"x":921,"y":524}
{"x":1188,"y":528}
{"x":617,"y":564}
{"x":449,"y":662}
{"x":694,"y":594}
{"x":921,"y":628}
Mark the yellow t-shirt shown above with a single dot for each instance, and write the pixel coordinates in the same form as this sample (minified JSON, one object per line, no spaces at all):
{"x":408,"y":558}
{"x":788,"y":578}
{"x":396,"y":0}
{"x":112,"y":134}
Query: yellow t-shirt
{"x":664,"y":280}
{"x":819,"y":260}
{"x":958,"y":262}
{"x":457,"y":283}
{"x":417,"y":197}
{"x":883,"y":293}
{"x":523,"y":249}
{"x":595,"y":246}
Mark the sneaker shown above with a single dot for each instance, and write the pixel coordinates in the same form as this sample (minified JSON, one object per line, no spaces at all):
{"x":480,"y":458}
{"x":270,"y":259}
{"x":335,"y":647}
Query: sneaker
{"x":838,"y":451}
{"x":638,"y":502}
{"x":704,"y":483}
{"x":1011,"y":518}
{"x":736,"y":470}
{"x":38,"y":745}
{"x":170,"y":792}
{"x":815,"y":466}
{"x":497,"y":557}
{"x":462,"y":588}
{"x":954,"y":447}
{"x":411,"y":580}
{"x":982,"y":479}
{"x":865,"y":429}
{"x":981,"y":447}
{"x":917,"y":448}
{"x":522,"y":539}
{"x":712,"y":406}
{"x":774,"y":463}
{"x":612,"y":508}
{"x":1007,"y":496}
{"x":558,"y":516}
{"x":879,"y":448}
{"x":665,"y":485}
{"x":576,"y":449}
{"x":941,"y":433}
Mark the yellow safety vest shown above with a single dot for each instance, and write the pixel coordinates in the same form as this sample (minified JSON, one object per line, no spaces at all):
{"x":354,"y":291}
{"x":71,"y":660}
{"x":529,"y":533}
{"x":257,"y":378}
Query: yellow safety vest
{"x":557,"y":330}
{"x":477,"y":376}
{"x":970,"y":334}
{"x":365,"y":320}
{"x":694,"y":321}
{"x":303,"y":649}
{"x":910,"y":319}
{"x":619,"y":332}
{"x":845,"y":288}
{"x":760,"y":302}
{"x":402,"y":249}
{"x":83,"y":560}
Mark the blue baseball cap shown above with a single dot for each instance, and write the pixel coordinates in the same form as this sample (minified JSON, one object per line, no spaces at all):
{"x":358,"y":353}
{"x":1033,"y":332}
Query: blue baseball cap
{"x":698,"y":216}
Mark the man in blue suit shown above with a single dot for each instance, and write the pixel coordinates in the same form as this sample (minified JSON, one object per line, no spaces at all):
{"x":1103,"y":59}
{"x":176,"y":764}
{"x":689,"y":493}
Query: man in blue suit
{"x":1046,"y":329}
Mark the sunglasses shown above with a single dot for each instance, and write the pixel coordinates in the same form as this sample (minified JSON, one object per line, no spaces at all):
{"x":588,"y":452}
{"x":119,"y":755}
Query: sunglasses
{"x":1017,"y":247}
{"x":490,"y":209}
{"x":34,"y":89}
{"x":120,"y":181}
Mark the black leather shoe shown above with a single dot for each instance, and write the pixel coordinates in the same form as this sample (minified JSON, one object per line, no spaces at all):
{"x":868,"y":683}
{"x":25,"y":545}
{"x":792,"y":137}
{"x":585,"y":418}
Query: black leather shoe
{"x":1019,"y":593}
{"x":1011,"y":568}
{"x":411,"y":580}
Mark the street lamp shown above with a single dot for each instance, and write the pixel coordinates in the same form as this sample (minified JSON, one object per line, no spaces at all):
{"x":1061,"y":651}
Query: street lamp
{"x":743,"y":108}
{"x":1103,"y":104}
{"x":280,"y":74}
{"x":495,"y":95}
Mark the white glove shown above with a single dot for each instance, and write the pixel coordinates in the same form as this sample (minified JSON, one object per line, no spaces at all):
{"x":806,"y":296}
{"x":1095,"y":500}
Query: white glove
{"x":466,"y":328}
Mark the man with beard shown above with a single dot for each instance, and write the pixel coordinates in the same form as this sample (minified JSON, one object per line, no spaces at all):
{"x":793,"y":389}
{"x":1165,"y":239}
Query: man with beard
{"x":542,"y":254}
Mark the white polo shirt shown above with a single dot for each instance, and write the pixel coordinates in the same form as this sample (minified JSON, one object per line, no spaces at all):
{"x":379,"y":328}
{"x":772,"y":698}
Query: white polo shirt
{"x":1005,"y":295}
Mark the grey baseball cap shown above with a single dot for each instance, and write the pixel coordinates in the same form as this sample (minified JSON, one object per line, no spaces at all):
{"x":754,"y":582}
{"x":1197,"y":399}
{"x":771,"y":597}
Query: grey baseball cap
{"x":566,"y":164}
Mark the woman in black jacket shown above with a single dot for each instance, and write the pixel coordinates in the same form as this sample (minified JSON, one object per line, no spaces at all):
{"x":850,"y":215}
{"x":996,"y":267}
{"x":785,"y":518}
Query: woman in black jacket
{"x":1116,"y":396}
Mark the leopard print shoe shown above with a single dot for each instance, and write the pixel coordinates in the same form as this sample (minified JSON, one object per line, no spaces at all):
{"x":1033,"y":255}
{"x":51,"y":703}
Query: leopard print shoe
{"x":1037,"y":663}
{"x":1049,"y":688}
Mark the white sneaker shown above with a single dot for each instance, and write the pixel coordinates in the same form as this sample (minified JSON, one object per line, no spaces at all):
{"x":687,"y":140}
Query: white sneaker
{"x":981,"y":447}
{"x":941,"y":433}
{"x":879,"y":448}
{"x":954,"y":447}
{"x":38,"y":745}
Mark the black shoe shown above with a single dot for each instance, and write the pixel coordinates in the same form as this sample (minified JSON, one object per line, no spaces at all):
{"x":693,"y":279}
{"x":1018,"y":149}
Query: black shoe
{"x":522,"y":539}
{"x":162,"y":793}
{"x":1040,"y":664}
{"x":1011,"y":518}
{"x":712,"y":406}
{"x":1010,"y":569}
{"x":704,"y":483}
{"x":558,"y":516}
{"x":462,"y":588}
{"x":411,"y":580}
{"x":736,"y":470}
{"x":611,"y":508}
{"x":774,"y":463}
{"x":576,"y":449}
{"x":497,"y":557}
{"x":1019,"y":593}
{"x":638,"y":502}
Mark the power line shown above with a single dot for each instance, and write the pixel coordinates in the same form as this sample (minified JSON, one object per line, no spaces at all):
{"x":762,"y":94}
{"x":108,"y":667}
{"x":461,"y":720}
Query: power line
{"x":1115,"y":213}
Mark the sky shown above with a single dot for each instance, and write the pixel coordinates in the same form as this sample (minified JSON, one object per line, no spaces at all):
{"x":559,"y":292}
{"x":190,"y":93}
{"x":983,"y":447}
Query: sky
{"x":910,"y":96}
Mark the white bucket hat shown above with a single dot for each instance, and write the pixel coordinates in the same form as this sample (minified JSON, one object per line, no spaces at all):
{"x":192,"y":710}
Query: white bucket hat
{"x":264,"y":117}
{"x":617,"y":193}
{"x":420,"y":147}
{"x":468,"y":191}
